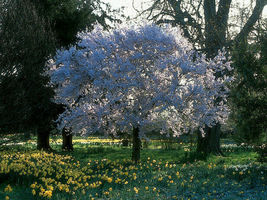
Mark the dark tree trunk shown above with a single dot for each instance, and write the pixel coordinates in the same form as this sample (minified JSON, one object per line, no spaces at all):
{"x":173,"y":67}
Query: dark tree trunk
{"x":67,"y":140}
{"x":136,"y":145}
{"x":215,"y":31}
{"x":43,"y":139}
{"x":27,"y":135}
{"x":210,"y":143}
{"x":125,"y":142}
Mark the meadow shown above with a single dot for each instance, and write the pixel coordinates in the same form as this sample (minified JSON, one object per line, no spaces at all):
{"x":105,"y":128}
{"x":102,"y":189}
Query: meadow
{"x":101,"y":169}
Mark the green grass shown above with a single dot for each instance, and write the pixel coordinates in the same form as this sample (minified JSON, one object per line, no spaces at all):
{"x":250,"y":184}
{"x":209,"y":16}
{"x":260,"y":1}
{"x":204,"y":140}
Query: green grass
{"x":237,"y":175}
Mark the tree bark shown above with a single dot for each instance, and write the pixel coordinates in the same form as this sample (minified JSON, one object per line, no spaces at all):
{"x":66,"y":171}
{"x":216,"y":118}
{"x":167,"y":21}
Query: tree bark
{"x":67,"y":140}
{"x":43,"y":139}
{"x":136,"y":145}
{"x":210,"y":143}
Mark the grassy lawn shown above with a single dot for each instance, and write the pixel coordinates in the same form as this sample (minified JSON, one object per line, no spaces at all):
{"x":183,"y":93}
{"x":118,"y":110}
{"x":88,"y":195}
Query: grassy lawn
{"x":101,"y":169}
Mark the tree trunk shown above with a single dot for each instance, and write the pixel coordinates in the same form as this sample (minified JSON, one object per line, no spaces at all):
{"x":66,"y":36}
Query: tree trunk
{"x":67,"y":140}
{"x":27,"y":135}
{"x":210,"y":143}
{"x":43,"y":139}
{"x":136,"y":145}
{"x":125,"y":142}
{"x":215,"y":32}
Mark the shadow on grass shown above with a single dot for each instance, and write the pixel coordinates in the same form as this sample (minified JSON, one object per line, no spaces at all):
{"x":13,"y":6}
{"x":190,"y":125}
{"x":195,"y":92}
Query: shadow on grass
{"x":178,"y":156}
{"x":194,"y":156}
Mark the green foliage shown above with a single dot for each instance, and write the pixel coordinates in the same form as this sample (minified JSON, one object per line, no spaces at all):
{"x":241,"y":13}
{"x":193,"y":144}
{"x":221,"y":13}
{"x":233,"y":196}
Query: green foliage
{"x":26,"y":44}
{"x":29,"y":32}
{"x":68,"y":17}
{"x":248,"y":95}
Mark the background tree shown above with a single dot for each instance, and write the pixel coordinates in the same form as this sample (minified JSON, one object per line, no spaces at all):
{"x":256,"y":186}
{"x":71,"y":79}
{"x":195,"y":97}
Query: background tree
{"x":137,"y":79}
{"x":26,"y":45}
{"x":248,"y":95}
{"x":206,"y":24}
{"x":68,"y":17}
{"x":60,"y":21}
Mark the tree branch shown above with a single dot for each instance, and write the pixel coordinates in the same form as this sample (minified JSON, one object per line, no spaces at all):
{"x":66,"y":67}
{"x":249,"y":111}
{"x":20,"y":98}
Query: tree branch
{"x":180,"y":17}
{"x":209,"y":10}
{"x":223,"y":11}
{"x":251,"y":21}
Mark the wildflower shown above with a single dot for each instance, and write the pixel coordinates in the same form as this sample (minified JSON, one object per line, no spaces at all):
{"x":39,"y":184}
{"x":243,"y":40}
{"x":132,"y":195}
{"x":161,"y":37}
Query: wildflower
{"x":109,"y":179}
{"x":136,"y":190}
{"x":48,"y":194}
{"x":33,"y":185}
{"x":117,"y":180}
{"x":8,"y":188}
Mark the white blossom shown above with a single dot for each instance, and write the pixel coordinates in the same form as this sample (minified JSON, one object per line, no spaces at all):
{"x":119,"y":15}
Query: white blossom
{"x":138,"y":76}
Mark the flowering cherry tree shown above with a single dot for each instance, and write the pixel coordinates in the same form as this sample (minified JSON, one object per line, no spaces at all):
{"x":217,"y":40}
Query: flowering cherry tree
{"x":138,"y":78}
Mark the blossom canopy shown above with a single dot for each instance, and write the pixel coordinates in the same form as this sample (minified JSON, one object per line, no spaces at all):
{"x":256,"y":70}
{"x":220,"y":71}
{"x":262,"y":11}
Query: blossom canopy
{"x":142,"y":76}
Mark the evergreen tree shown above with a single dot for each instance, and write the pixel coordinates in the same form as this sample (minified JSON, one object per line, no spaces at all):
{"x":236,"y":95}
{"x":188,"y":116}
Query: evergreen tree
{"x":30,"y":31}
{"x":248,"y":95}
{"x":68,"y":17}
{"x":26,"y":45}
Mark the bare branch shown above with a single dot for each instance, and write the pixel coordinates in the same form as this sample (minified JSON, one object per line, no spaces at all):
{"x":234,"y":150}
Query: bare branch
{"x":223,"y":11}
{"x":251,"y":21}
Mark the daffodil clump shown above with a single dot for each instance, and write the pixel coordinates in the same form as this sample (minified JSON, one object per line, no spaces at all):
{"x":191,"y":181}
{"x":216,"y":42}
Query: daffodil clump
{"x":55,"y":176}
{"x":86,"y":140}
